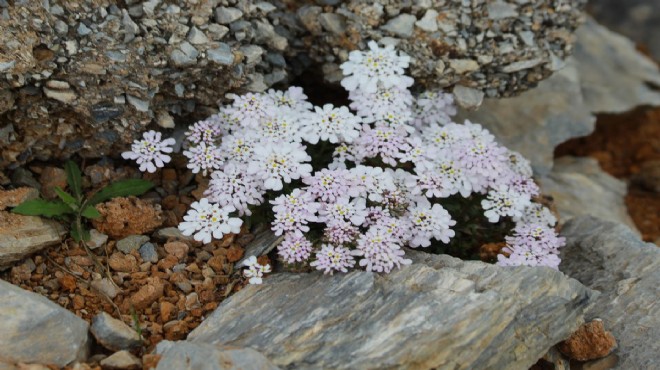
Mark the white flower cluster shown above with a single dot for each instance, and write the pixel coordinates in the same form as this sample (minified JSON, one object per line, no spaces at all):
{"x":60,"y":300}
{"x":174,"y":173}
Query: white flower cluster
{"x":255,"y":271}
{"x":396,"y":159}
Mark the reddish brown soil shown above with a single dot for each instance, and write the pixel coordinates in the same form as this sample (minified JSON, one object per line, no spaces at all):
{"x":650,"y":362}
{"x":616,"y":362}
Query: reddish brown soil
{"x":622,"y":144}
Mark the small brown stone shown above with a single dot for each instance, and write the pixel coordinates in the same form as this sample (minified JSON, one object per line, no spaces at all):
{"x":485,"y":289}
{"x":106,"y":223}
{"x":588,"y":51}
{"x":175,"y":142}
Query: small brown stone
{"x":177,"y":249}
{"x":150,"y":361}
{"x":123,"y":263}
{"x":166,"y":311}
{"x":121,"y":217}
{"x":488,"y":252}
{"x":148,"y":294}
{"x":217,"y":263}
{"x":67,"y":282}
{"x":49,"y":179}
{"x":175,"y":330}
{"x":78,"y":302}
{"x":234,"y":253}
{"x":589,"y":342}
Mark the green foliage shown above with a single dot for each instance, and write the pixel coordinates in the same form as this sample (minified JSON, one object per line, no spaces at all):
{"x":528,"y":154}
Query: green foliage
{"x":121,"y":188}
{"x":41,"y":207}
{"x":73,"y":207}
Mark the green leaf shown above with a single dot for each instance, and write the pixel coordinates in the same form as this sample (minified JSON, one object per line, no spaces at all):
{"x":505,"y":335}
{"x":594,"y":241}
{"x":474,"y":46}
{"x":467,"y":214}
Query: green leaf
{"x":66,"y":197}
{"x":41,"y":207}
{"x":74,"y":178}
{"x":90,"y":212}
{"x":122,"y":188}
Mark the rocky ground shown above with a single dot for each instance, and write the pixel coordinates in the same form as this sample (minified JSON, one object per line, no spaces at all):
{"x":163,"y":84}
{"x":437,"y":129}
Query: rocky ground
{"x":147,"y":297}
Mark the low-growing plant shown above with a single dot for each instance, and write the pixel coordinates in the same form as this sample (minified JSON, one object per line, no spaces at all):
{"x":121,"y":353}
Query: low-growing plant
{"x":73,"y":207}
{"x":355,"y":186}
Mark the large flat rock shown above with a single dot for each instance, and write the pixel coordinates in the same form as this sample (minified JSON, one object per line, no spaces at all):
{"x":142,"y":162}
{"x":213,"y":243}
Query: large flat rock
{"x":610,"y":258}
{"x":36,"y":330}
{"x":580,"y":187}
{"x":440,"y":312}
{"x":200,"y":356}
{"x":614,"y":76}
{"x":21,"y":236}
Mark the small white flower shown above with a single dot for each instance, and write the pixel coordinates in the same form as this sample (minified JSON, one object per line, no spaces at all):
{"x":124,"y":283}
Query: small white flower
{"x":149,"y":152}
{"x":203,"y":157}
{"x":332,"y":124}
{"x":279,"y":163}
{"x":366,"y":69}
{"x":430,"y":222}
{"x":209,"y":221}
{"x":255,"y":272}
{"x":502,"y":203}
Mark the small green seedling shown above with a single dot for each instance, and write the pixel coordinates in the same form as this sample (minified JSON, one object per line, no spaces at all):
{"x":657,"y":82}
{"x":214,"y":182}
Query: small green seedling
{"x":73,"y":207}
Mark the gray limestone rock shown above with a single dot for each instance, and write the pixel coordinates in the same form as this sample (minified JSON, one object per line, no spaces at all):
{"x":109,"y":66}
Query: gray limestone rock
{"x":264,"y":242}
{"x":21,"y":236}
{"x":610,"y":258}
{"x":439,"y":312}
{"x":36,"y":330}
{"x":401,"y":26}
{"x":636,"y":19}
{"x":200,"y":356}
{"x":614,"y":76}
{"x":122,"y":360}
{"x":113,"y":334}
{"x":580,"y":187}
{"x":131,"y":243}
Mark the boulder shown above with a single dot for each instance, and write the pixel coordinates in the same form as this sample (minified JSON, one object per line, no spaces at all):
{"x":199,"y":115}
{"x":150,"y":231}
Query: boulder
{"x":637,"y":19}
{"x":36,"y":330}
{"x":200,"y":356}
{"x":87,"y":77}
{"x":614,"y":76}
{"x":439,"y":312}
{"x":580,"y":187}
{"x":499,"y":48}
{"x":609,"y":257}
{"x":21,"y":236}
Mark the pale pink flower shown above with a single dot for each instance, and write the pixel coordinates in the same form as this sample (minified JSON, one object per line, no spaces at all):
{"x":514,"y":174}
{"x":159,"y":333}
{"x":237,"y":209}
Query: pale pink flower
{"x":250,"y":108}
{"x":434,"y":108}
{"x":280,"y":163}
{"x":294,"y":248}
{"x":232,"y":186}
{"x":203,"y":157}
{"x":207,"y":131}
{"x":330,"y":259}
{"x":430,"y":222}
{"x":342,"y":209}
{"x":336,"y":125}
{"x":149,"y":152}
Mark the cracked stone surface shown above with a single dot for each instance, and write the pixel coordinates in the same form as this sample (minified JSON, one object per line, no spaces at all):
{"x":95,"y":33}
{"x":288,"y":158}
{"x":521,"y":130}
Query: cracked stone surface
{"x":440,"y":312}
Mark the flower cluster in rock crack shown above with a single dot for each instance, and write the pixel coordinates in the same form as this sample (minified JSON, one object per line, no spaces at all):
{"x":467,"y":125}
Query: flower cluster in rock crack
{"x":254,"y":270}
{"x":395,"y":160}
